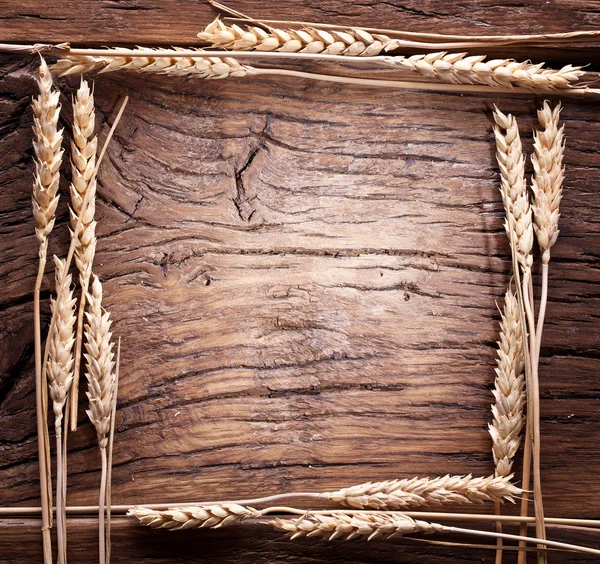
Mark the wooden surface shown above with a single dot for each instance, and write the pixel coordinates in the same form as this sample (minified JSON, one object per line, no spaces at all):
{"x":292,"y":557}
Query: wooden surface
{"x":305,"y":279}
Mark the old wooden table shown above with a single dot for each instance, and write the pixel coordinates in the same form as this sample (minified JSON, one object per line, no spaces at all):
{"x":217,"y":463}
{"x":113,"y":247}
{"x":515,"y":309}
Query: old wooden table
{"x":305,"y":279}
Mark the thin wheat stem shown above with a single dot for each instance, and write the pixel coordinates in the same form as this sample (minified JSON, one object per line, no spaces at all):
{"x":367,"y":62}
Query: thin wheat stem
{"x":540,"y":542}
{"x":44,"y":485}
{"x":60,"y":534}
{"x":111,"y":440}
{"x":101,"y":504}
{"x":542,"y":310}
{"x":498,"y":530}
{"x":535,"y":394}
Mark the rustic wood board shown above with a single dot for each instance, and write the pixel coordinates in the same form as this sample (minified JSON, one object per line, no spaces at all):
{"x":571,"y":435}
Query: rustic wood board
{"x":305,"y":279}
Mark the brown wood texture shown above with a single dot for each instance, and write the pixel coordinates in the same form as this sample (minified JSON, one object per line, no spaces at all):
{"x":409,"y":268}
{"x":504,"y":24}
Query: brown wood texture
{"x":305,"y":279}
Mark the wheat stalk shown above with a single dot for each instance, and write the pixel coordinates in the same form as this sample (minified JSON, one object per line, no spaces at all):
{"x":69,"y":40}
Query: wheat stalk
{"x":60,"y":377}
{"x":509,"y":388}
{"x":430,"y":492}
{"x":48,"y":158}
{"x":349,"y":526}
{"x":83,"y":172}
{"x":549,"y":172}
{"x":349,"y":42}
{"x":200,"y":517}
{"x":172,"y":65}
{"x":101,"y":386}
{"x":519,"y":228}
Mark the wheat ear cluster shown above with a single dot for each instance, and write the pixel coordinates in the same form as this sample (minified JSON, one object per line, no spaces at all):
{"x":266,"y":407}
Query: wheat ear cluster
{"x":425,"y":492}
{"x":509,"y":388}
{"x":201,"y":517}
{"x":48,"y":154}
{"x":60,"y":358}
{"x":100,"y":363}
{"x":197,"y":67}
{"x":351,"y":42}
{"x":549,"y":173}
{"x":509,"y":152}
{"x":346,"y":526}
{"x":460,"y":68}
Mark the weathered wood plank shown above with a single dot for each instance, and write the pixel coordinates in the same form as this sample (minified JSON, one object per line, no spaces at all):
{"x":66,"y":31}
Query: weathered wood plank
{"x":305,"y":279}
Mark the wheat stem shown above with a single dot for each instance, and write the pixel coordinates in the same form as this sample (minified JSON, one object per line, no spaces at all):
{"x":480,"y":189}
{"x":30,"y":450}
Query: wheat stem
{"x":101,"y":505}
{"x":545,"y":38}
{"x":48,"y":158}
{"x":111,"y":440}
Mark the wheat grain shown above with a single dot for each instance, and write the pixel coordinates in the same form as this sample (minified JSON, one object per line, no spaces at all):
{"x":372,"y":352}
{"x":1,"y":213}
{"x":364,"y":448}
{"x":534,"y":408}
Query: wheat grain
{"x":48,"y":158}
{"x":430,"y":492}
{"x":460,"y":68}
{"x":197,"y":67}
{"x":509,"y":153}
{"x":348,"y":526}
{"x":509,"y":388}
{"x":83,"y":172}
{"x":547,"y":159}
{"x":100,"y":363}
{"x":60,"y":359}
{"x":205,"y":516}
{"x":350,"y":42}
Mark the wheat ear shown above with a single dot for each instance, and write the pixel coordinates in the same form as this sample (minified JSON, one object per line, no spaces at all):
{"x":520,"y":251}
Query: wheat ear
{"x":349,"y":42}
{"x":549,"y":172}
{"x":83,"y":171}
{"x":348,"y":526}
{"x":101,"y":385}
{"x":60,"y":377}
{"x":509,"y":388}
{"x":197,"y":67}
{"x":460,"y":68}
{"x":509,"y":393}
{"x":425,"y":492}
{"x":47,"y":144}
{"x":201,"y":517}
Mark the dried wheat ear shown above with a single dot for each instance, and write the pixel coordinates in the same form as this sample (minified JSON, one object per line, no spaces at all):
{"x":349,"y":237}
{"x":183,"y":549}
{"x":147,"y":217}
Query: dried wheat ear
{"x":353,"y":526}
{"x":100,"y":363}
{"x":519,"y":224}
{"x":205,"y":516}
{"x":197,"y":67}
{"x":426,"y":492}
{"x":549,"y":173}
{"x":351,"y":42}
{"x":509,"y":388}
{"x":83,"y":188}
{"x":62,"y":339}
{"x":47,"y":146}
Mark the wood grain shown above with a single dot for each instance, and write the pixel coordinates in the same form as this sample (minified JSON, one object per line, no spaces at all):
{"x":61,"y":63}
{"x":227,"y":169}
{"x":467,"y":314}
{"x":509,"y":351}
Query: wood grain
{"x":305,"y":279}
